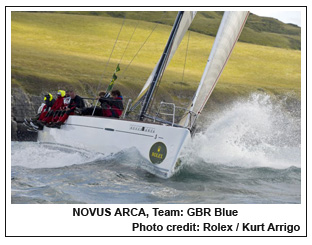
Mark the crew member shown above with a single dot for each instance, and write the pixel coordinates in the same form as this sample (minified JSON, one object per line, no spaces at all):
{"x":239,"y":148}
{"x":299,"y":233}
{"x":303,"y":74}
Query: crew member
{"x":49,"y":101}
{"x":75,"y":102}
{"x":97,"y":110}
{"x":58,"y":104}
{"x":62,"y":110}
{"x":112,"y":106}
{"x":42,"y":112}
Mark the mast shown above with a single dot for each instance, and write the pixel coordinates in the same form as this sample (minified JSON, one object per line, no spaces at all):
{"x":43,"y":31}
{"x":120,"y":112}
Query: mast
{"x":161,"y":66}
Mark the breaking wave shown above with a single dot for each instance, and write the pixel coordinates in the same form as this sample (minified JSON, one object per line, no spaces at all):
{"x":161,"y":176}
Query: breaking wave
{"x":258,"y":132}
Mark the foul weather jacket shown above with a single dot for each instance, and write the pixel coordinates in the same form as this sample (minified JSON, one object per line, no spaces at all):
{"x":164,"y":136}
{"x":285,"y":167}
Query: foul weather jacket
{"x":112,"y":107}
{"x":75,"y":102}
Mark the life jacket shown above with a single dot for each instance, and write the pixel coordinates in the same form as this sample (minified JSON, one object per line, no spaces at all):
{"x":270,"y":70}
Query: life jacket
{"x":58,"y":104}
{"x":112,"y":107}
{"x":117,"y":107}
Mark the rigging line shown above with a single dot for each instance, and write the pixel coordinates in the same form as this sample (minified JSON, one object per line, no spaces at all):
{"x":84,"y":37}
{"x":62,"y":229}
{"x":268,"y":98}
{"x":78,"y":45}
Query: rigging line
{"x":139,"y":49}
{"x":129,"y":40}
{"x":123,"y":22}
{"x":186,"y":52}
{"x":142,"y":45}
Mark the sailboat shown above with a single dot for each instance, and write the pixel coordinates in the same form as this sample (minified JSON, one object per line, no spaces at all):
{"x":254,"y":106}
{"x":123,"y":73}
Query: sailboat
{"x":158,"y":140}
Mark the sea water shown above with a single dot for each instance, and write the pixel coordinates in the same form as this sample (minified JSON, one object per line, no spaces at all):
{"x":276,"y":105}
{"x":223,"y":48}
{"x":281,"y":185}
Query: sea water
{"x":248,"y":152}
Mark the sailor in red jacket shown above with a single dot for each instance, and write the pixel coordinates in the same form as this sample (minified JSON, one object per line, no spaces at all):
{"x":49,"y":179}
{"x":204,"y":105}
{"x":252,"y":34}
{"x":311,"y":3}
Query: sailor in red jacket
{"x":43,"y":110}
{"x":58,"y":104}
{"x":49,"y":101}
{"x":75,"y":102}
{"x":62,"y":110}
{"x":112,"y":106}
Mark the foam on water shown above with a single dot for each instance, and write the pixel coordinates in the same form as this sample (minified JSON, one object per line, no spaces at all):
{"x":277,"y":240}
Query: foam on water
{"x":37,"y":155}
{"x":257,"y":132}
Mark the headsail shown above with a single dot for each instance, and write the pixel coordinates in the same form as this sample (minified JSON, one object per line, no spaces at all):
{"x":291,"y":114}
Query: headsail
{"x":229,"y":31}
{"x":185,"y":22}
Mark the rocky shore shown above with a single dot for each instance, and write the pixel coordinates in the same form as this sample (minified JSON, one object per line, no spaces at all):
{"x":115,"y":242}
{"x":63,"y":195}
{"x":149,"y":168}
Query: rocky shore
{"x":23,"y":105}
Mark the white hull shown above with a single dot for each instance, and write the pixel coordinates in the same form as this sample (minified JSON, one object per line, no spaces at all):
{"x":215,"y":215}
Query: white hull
{"x":160,"y":144}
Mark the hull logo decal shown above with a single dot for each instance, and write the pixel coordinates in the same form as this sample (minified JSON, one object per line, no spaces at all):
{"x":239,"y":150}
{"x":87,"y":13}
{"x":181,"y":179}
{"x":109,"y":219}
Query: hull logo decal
{"x":158,"y":153}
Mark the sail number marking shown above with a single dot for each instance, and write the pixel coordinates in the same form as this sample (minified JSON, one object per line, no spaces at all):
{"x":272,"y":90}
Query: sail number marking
{"x":142,"y":129}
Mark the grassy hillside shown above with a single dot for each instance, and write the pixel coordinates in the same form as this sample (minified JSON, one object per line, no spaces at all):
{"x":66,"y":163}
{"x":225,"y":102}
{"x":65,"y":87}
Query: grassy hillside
{"x":258,"y":30}
{"x":53,"y":51}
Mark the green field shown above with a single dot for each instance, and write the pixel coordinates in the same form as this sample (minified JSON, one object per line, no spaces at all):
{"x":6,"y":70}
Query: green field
{"x":52,"y":51}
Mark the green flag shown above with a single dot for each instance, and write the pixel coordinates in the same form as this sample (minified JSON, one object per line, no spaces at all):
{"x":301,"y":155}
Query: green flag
{"x":114,"y":77}
{"x":111,"y":84}
{"x":117,"y":68}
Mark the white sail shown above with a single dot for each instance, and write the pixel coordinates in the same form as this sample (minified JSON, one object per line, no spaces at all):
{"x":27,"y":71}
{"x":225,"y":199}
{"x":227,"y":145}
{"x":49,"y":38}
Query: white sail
{"x":229,"y":31}
{"x":185,"y":23}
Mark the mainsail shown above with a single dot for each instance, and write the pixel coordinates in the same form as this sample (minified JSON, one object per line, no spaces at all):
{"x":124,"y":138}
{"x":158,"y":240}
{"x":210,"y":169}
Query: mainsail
{"x":185,"y":22}
{"x":229,"y":31}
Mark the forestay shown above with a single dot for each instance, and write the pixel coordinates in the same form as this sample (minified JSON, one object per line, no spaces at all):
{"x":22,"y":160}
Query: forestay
{"x":229,"y":31}
{"x":186,"y":21}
